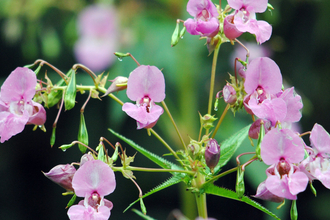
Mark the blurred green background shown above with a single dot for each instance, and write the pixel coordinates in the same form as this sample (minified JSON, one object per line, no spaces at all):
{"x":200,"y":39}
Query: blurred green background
{"x":38,"y":29}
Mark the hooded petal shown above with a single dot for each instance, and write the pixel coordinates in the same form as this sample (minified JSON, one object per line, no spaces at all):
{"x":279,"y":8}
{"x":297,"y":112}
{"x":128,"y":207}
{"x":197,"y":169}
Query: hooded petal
{"x":194,"y":7}
{"x":282,"y":143}
{"x":20,"y":84}
{"x":265,"y":73}
{"x":38,"y":116}
{"x":191,"y":25}
{"x":94,"y":176}
{"x":146,"y":81}
{"x":208,"y":28}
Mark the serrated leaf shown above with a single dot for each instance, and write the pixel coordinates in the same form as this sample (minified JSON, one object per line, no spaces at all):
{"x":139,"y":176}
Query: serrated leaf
{"x":226,"y":193}
{"x":142,"y":215}
{"x":165,"y":164}
{"x":170,"y":182}
{"x":229,"y":146}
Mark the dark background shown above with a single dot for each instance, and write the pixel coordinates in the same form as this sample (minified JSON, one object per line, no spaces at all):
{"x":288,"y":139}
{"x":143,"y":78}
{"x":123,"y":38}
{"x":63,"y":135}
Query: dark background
{"x":299,"y":45}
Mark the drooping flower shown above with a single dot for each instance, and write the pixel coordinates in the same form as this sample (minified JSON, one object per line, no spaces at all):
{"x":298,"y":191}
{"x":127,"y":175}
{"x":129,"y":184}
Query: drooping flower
{"x":244,"y":20}
{"x":317,"y":165}
{"x":282,"y":149}
{"x":205,"y":22}
{"x":16,"y":106}
{"x":97,"y":26}
{"x":146,"y":85}
{"x":62,"y":175}
{"x":94,"y":180}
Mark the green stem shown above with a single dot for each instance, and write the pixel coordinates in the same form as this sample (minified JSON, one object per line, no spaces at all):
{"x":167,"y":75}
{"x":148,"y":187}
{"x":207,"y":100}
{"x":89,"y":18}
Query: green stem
{"x":221,"y":175}
{"x":166,"y":145}
{"x":174,"y":124}
{"x":158,"y":170}
{"x":214,"y":66}
{"x":201,"y":197}
{"x":220,"y":120}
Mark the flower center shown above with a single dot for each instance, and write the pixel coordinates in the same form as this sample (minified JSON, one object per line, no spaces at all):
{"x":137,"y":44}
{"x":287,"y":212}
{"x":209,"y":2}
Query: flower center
{"x":283,"y":167}
{"x":204,"y":15}
{"x":145,"y":102}
{"x":17,"y":108}
{"x":94,"y":200}
{"x":261,"y":94}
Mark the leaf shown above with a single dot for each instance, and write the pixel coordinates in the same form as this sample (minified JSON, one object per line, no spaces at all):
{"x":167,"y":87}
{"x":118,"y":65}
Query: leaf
{"x":226,"y":193}
{"x":229,"y":146}
{"x":165,"y":164}
{"x":142,"y":215}
{"x":170,"y":182}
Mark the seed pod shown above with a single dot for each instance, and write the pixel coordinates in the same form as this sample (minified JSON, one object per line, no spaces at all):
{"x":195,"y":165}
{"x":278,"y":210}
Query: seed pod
{"x":82,"y":134}
{"x":175,"y":36}
{"x":70,"y":93}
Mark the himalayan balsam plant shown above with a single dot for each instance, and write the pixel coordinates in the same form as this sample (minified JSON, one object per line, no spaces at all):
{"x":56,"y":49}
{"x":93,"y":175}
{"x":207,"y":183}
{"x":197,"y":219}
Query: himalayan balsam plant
{"x":256,"y":90}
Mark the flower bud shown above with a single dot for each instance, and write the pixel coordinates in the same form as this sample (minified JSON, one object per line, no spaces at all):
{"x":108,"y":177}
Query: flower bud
{"x":212,"y":153}
{"x":86,"y":157}
{"x":62,"y":175}
{"x":175,"y":36}
{"x":70,"y":93}
{"x":119,"y":83}
{"x":229,"y":94}
{"x":207,"y":121}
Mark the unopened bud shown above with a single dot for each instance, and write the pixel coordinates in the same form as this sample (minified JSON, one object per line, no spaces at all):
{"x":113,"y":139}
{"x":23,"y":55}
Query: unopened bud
{"x":119,"y":83}
{"x":175,"y":36}
{"x":212,"y":153}
{"x":229,"y":94}
{"x":86,"y":157}
{"x":62,"y":175}
{"x":70,"y":93}
{"x":207,"y":121}
{"x":293,"y":210}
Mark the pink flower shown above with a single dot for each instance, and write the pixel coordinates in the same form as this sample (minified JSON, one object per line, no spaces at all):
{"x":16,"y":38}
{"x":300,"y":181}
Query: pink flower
{"x":245,"y":19}
{"x":282,"y":149}
{"x":317,"y":165}
{"x":62,"y":175}
{"x":94,"y":180}
{"x":205,"y":22}
{"x":16,"y":106}
{"x":146,"y":85}
{"x":264,"y":194}
{"x":98,"y":40}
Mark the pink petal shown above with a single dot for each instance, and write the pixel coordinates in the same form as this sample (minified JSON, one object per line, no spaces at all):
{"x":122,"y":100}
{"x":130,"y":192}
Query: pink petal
{"x":80,"y":212}
{"x":236,"y":4}
{"x":282,"y":143}
{"x":146,"y":81}
{"x":320,"y":139}
{"x":279,"y":187}
{"x":265,"y":73}
{"x":141,"y":115}
{"x":256,"y":5}
{"x":62,"y":175}
{"x":229,"y":28}
{"x":264,"y":32}
{"x":19,"y":85}
{"x":94,"y":176}
{"x":208,"y":28}
{"x":265,"y":194}
{"x":293,"y":103}
{"x":194,"y":7}
{"x":11,"y":124}
{"x":323,"y":177}
{"x":297,"y":182}
{"x":191,"y":25}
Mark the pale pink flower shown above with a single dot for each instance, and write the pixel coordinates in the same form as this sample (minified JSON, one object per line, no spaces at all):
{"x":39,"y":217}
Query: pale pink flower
{"x":146,"y":85}
{"x":16,"y":106}
{"x":205,"y":22}
{"x":94,"y":180}
{"x":282,"y":149}
{"x":244,"y":19}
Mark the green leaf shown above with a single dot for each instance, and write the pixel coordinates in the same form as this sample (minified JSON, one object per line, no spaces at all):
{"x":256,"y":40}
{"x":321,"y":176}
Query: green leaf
{"x":142,"y":215}
{"x":226,"y":193}
{"x":229,"y":146}
{"x":170,"y":182}
{"x":165,"y":164}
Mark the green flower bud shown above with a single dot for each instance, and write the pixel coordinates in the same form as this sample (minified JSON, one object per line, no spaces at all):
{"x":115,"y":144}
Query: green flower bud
{"x":175,"y":36}
{"x":70,"y":93}
{"x":55,"y":95}
{"x":53,"y":137}
{"x":207,"y":120}
{"x":240,"y":186}
{"x":82,"y":134}
{"x":64,"y":147}
{"x":143,"y":207}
